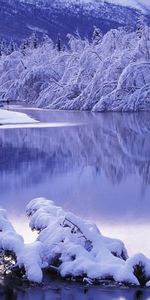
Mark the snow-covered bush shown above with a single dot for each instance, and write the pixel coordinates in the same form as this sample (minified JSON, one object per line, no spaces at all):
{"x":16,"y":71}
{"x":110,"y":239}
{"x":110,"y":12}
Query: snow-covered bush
{"x":109,"y":73}
{"x":70,"y":247}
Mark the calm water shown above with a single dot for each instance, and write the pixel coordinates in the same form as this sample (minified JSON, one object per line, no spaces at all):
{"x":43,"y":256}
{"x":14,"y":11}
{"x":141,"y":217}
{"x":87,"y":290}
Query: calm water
{"x":64,"y":291}
{"x":95,"y":165}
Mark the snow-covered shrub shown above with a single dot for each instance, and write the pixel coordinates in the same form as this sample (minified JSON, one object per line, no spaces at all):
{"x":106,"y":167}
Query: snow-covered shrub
{"x":71,"y":247}
{"x":111,"y":73}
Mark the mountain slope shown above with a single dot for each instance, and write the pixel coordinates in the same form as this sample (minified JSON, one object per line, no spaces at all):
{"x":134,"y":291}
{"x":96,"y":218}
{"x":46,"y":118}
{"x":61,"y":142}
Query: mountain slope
{"x":142,"y":5}
{"x":18,"y":19}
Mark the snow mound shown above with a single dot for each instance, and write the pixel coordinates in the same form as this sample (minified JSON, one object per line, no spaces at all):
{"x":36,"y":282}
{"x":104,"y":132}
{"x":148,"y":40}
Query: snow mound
{"x":12,"y":117}
{"x":9,"y":239}
{"x":71,"y":247}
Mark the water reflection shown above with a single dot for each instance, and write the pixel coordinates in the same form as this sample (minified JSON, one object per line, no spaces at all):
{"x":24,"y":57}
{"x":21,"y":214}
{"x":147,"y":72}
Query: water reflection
{"x":99,"y":170}
{"x":62,"y":291}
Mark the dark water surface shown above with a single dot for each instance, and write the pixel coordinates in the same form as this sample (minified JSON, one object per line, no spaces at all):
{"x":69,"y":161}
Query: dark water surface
{"x":95,"y":165}
{"x":66,"y":291}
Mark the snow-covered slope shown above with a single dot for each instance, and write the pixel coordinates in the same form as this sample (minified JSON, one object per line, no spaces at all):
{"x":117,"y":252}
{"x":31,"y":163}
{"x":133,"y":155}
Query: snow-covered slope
{"x":143,"y":5}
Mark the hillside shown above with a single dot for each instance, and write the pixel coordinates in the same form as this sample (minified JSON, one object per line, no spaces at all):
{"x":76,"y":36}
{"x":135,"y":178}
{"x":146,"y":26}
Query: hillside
{"x":18,"y":19}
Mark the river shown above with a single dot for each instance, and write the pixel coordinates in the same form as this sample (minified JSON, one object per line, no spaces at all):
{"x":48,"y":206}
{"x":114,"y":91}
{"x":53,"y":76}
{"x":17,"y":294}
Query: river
{"x":95,"y":165}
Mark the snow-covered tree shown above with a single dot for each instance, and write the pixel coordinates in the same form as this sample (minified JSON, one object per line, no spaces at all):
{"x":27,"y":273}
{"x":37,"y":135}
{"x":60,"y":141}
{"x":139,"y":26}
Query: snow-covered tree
{"x":33,"y":41}
{"x":3,"y":47}
{"x":97,"y":35}
{"x":24,"y":46}
{"x":109,"y":74}
{"x":58,"y":44}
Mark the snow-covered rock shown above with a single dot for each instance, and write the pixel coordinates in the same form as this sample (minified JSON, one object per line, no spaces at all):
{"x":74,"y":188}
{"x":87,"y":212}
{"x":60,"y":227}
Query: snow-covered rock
{"x":72,"y":247}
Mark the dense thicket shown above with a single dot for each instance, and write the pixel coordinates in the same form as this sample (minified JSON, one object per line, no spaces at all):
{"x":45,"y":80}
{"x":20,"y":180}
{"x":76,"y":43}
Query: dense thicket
{"x":110,"y":73}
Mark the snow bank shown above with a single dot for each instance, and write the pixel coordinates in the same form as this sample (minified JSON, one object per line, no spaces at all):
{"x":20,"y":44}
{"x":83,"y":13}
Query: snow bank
{"x":71,"y":247}
{"x":110,"y":73}
{"x":12,"y":117}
